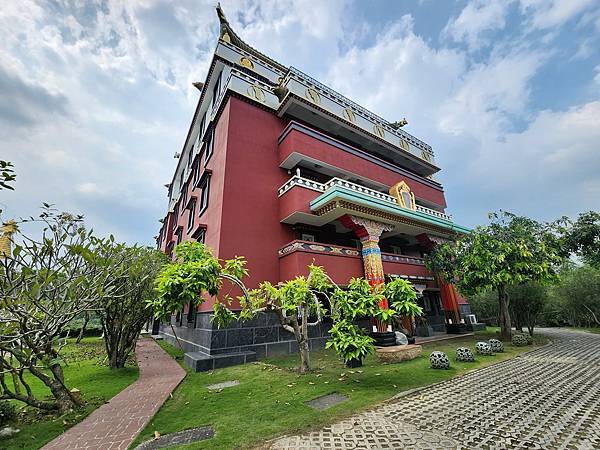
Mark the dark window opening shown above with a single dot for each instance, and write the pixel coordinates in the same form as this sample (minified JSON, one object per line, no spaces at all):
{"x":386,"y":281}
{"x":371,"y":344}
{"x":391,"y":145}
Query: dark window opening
{"x":192,"y":211}
{"x":204,"y":187}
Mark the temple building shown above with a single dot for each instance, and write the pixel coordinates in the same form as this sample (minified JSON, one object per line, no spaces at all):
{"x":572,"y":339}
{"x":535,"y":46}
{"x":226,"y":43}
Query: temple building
{"x":283,"y":170}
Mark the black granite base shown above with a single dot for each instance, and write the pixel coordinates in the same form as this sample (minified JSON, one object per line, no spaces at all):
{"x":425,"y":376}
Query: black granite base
{"x":456,"y":328}
{"x":386,"y":339}
{"x":207,"y":347}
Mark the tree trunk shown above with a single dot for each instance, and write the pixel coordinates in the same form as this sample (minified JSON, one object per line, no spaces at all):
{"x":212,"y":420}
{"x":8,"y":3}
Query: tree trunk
{"x":83,"y":327}
{"x":503,"y":303}
{"x":304,"y":356}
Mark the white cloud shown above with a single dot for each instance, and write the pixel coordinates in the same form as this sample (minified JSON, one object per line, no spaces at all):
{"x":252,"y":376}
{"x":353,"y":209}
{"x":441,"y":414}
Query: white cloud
{"x":99,"y":97}
{"x":544,"y":14}
{"x":495,"y":152}
{"x":477,"y":18}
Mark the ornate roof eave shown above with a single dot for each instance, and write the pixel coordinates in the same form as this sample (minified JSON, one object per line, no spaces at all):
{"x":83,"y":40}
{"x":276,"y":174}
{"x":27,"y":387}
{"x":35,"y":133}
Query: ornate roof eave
{"x":227,"y":34}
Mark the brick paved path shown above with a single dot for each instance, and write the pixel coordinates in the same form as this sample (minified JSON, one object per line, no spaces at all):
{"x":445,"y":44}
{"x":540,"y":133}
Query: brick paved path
{"x":116,"y":424}
{"x":546,"y":399}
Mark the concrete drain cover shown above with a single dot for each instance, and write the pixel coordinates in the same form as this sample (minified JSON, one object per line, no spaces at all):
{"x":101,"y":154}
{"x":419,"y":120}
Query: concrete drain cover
{"x":223,"y":385}
{"x":179,"y":438}
{"x":327,"y":401}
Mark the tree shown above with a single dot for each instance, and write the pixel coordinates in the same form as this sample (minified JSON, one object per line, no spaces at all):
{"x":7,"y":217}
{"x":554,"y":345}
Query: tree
{"x":7,"y":175}
{"x":361,"y":300}
{"x":44,"y":284}
{"x":124,"y":313}
{"x":509,"y":251}
{"x":297,"y":304}
{"x":195,"y":273}
{"x":527,"y":302}
{"x":575,"y":300}
{"x":583,"y":238}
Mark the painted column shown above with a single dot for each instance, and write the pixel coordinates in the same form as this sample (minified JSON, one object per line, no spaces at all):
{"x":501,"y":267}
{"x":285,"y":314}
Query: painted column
{"x":447,"y":290}
{"x":369,"y":232}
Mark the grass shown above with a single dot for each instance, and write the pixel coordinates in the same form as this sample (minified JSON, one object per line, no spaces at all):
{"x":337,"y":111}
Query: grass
{"x":595,"y":330}
{"x":85,"y":371}
{"x":271,"y":395}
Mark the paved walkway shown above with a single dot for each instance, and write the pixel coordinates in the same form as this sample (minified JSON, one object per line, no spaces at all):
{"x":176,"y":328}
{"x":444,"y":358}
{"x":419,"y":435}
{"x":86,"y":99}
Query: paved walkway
{"x":117,"y":423}
{"x":545,"y":399}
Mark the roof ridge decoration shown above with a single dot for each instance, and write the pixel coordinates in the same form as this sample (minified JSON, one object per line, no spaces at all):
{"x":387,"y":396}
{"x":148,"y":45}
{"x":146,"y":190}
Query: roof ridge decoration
{"x":227,"y":34}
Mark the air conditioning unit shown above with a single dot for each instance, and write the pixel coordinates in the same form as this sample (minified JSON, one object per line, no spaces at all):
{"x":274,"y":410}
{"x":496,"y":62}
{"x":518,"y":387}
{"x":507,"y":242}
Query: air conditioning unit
{"x":470,"y":318}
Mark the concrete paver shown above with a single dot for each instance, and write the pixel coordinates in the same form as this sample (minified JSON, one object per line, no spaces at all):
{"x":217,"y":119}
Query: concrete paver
{"x":547,"y":398}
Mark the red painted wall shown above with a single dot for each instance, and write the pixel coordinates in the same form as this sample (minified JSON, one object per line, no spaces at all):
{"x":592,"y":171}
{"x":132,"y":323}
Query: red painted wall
{"x":339,"y":268}
{"x":244,"y":211}
{"x":298,"y":142}
{"x":296,"y":199}
{"x":249,"y":224}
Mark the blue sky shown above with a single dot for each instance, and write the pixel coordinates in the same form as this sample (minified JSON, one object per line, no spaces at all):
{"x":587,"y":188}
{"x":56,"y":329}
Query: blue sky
{"x":96,"y":97}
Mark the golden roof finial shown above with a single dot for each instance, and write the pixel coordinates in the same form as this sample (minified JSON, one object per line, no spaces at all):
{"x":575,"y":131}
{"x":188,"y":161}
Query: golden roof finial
{"x":8,"y":229}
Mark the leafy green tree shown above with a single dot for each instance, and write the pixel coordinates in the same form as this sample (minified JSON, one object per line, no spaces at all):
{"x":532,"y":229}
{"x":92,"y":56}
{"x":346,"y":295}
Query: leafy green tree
{"x":509,"y":251}
{"x":575,"y":300}
{"x":583,"y":238}
{"x":485,"y":307}
{"x":527,"y":303}
{"x":297,"y":303}
{"x":45,"y":282}
{"x":124,"y":312}
{"x":360,"y":300}
{"x":196,"y":272}
{"x":7,"y":175}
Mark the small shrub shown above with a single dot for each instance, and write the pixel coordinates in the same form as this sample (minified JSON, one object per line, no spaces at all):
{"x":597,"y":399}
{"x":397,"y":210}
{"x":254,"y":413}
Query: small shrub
{"x":519,"y":340}
{"x":7,"y":412}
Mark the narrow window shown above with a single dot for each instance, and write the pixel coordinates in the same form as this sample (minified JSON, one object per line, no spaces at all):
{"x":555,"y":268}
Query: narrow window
{"x":204,"y":187}
{"x":210,"y":141}
{"x":191,"y":214}
{"x":216,"y":90}
{"x":201,"y":128}
{"x":184,"y":197}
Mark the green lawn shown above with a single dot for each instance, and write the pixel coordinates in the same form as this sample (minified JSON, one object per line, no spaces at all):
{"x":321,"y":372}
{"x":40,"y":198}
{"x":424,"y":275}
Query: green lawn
{"x":271,"y":395}
{"x":85,"y":371}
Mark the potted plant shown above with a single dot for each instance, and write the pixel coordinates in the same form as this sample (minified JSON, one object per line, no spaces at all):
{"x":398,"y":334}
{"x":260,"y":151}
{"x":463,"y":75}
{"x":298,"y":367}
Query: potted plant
{"x":350,"y":342}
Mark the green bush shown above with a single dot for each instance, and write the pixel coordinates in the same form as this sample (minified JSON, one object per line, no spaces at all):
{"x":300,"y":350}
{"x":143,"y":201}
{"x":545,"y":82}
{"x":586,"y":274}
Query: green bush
{"x":7,"y":412}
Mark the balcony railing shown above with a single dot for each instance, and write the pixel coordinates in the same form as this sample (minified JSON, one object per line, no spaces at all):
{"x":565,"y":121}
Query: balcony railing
{"x":322,"y":187}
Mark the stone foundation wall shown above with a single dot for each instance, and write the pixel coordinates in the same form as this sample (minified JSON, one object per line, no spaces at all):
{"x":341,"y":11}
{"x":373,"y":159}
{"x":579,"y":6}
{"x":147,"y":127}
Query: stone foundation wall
{"x":262,"y":335}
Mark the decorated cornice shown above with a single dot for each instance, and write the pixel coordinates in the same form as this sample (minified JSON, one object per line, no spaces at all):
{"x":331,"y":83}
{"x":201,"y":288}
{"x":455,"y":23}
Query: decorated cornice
{"x":338,"y":182}
{"x":232,"y":48}
{"x":356,"y":108}
{"x":227,"y":34}
{"x":317,"y":247}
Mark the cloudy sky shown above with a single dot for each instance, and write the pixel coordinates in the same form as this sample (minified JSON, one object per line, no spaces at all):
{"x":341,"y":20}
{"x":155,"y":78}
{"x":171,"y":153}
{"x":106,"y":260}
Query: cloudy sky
{"x":97,"y":96}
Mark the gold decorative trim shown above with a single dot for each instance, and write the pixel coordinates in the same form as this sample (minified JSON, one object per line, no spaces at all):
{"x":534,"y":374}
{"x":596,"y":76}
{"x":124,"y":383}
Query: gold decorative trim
{"x":426,"y":155}
{"x":379,"y":131}
{"x":403,"y":194}
{"x":313,"y":96}
{"x":404,"y":144}
{"x":247,"y":63}
{"x":381,"y":214}
{"x":256,"y":92}
{"x":226,"y":37}
{"x":349,"y":115}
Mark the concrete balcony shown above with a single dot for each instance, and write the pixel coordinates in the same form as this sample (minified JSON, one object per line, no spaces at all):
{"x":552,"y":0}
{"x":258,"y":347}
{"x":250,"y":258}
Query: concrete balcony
{"x":343,"y":263}
{"x":329,"y":201}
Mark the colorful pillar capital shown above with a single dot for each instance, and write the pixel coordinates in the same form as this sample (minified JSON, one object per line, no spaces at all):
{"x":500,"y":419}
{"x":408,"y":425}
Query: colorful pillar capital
{"x":369,"y":232}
